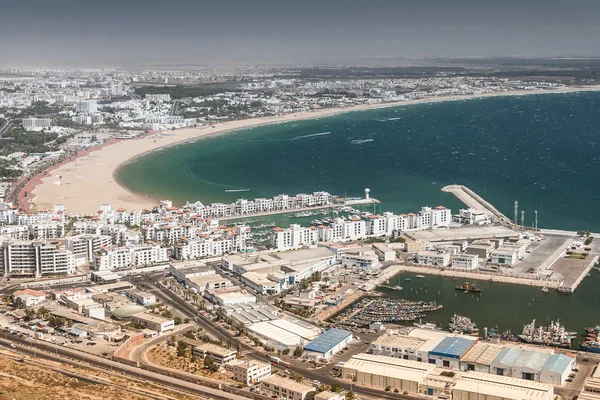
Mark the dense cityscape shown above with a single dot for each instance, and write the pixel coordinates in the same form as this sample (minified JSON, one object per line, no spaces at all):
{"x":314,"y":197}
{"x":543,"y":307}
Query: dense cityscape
{"x":335,"y":281}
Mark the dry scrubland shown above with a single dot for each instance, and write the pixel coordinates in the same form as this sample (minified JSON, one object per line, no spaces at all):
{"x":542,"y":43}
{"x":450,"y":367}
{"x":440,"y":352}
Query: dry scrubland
{"x":24,"y":381}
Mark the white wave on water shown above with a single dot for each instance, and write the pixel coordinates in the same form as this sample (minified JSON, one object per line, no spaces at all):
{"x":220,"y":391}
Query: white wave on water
{"x":361,"y":141}
{"x":393,"y":119}
{"x":311,"y":135}
{"x":237,"y":190}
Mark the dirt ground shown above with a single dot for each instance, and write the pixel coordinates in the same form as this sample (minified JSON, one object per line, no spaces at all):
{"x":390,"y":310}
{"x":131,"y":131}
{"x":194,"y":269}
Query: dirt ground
{"x":166,"y":356}
{"x":29,"y":381}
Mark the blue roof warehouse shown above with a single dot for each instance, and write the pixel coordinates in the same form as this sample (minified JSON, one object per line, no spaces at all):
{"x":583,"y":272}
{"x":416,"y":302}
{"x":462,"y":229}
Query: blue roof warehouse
{"x":451,"y":350}
{"x":328,"y":343}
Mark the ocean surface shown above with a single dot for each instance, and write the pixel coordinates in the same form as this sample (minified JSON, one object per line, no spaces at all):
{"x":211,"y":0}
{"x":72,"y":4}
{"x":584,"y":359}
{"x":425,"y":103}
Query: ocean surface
{"x":542,"y":150}
{"x":501,"y":305}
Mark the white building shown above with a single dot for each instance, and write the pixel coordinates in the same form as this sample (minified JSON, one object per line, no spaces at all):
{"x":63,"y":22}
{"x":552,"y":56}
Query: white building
{"x":154,"y":322}
{"x":33,"y":123}
{"x":294,"y":237}
{"x":86,"y":245}
{"x":471,"y":216}
{"x":505,"y":256}
{"x":23,"y":258}
{"x":286,"y":389}
{"x":360,"y":259}
{"x":218,"y":354}
{"x":123,"y":257}
{"x":28,"y":298}
{"x":465,"y":261}
{"x":433,"y":258}
{"x":86,"y":107}
{"x":158,"y":97}
{"x":141,"y":297}
{"x":249,"y":372}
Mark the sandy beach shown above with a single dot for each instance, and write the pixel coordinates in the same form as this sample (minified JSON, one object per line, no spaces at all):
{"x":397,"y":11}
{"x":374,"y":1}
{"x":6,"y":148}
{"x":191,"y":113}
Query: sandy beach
{"x":85,"y":182}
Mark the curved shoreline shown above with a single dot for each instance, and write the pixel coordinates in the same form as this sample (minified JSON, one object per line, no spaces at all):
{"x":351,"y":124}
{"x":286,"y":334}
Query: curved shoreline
{"x":98,"y":168}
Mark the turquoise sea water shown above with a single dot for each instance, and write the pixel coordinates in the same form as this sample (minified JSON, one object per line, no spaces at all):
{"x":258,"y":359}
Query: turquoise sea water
{"x":542,"y":150}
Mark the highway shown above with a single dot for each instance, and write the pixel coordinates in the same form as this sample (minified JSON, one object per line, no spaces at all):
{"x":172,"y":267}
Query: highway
{"x":53,"y":352}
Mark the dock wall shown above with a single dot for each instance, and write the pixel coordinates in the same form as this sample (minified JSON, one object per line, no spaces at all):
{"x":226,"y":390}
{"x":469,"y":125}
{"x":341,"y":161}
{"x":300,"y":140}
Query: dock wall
{"x":473,"y":200}
{"x":519,"y":279}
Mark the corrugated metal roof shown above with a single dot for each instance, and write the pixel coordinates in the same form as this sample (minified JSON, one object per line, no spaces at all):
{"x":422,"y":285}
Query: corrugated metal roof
{"x":534,"y":360}
{"x":454,"y":347}
{"x":507,"y":356}
{"x":558,"y":363}
{"x":328,"y":340}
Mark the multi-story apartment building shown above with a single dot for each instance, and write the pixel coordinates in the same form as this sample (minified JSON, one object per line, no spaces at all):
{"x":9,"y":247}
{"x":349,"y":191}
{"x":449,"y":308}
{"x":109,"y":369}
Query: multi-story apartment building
{"x":294,"y":237}
{"x":24,"y":258}
{"x":86,"y":245}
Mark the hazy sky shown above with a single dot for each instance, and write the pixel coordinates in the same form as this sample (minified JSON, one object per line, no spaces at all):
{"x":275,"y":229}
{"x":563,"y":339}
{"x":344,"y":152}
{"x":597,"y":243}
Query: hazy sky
{"x":91,"y":32}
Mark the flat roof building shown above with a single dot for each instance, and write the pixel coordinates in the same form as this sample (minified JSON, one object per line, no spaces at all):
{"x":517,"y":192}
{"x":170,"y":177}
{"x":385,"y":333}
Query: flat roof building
{"x":480,"y":357}
{"x":382,"y":371}
{"x":154,"y":322}
{"x":328,"y":343}
{"x":481,"y":386}
{"x":283,"y":388}
{"x":450,"y":351}
{"x":557,"y":369}
{"x":249,"y":372}
{"x":282,"y":334}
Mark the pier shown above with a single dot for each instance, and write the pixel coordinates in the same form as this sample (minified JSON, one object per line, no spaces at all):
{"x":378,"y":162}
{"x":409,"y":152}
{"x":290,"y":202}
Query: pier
{"x":345,"y":203}
{"x":473,"y":200}
{"x":577,"y":272}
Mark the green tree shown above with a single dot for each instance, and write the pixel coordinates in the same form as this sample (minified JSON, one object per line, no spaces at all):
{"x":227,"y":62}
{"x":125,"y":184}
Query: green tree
{"x":298,"y":351}
{"x":210,"y":364}
{"x":285,"y":352}
{"x":177,"y":320}
{"x":181,"y":348}
{"x":336,"y":387}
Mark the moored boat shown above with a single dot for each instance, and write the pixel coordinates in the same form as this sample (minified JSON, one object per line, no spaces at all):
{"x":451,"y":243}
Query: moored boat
{"x":468,"y":288}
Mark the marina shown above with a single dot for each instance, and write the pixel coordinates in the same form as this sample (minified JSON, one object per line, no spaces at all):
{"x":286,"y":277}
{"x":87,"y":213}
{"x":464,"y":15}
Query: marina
{"x":369,"y":310}
{"x":502,"y":306}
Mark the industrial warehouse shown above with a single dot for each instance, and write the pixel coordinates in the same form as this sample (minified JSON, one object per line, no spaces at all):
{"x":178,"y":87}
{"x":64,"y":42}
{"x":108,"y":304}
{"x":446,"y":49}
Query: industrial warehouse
{"x":399,"y":375}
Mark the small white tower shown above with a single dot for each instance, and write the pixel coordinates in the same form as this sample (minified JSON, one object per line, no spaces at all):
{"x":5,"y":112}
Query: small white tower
{"x":367,"y":191}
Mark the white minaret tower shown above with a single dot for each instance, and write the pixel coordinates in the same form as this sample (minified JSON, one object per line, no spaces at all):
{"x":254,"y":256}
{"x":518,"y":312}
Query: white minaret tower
{"x":367,"y":191}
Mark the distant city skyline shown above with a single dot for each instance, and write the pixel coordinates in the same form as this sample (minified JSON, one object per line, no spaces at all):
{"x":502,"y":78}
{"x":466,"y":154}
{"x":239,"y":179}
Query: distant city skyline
{"x":135,"y":32}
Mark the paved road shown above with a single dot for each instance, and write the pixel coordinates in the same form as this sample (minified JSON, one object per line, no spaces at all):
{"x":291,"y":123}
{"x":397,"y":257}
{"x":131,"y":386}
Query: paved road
{"x":61,"y":354}
{"x":321,"y":375}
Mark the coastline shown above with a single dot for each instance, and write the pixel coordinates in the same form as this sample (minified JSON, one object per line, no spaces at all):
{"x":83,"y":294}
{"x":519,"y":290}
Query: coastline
{"x":91,"y":178}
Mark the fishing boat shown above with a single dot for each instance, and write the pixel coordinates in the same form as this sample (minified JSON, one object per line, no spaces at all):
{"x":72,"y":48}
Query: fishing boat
{"x":590,"y":346}
{"x":462,"y":324}
{"x":508,"y":336}
{"x":425,"y":325}
{"x":554,"y":334}
{"x":468,"y":288}
{"x":397,"y":288}
{"x":545,"y":289}
{"x":407,"y":279}
{"x":420,"y":276}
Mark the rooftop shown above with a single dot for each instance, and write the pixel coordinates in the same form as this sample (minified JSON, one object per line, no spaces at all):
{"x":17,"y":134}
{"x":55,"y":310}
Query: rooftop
{"x":507,"y":356}
{"x":482,"y":353}
{"x":558,"y":363}
{"x":400,"y":341}
{"x":152,"y":318}
{"x":288,"y":384}
{"x":328,"y":340}
{"x":504,"y":387}
{"x":454,"y":347}
{"x":389,"y":367}
{"x":534,"y":360}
